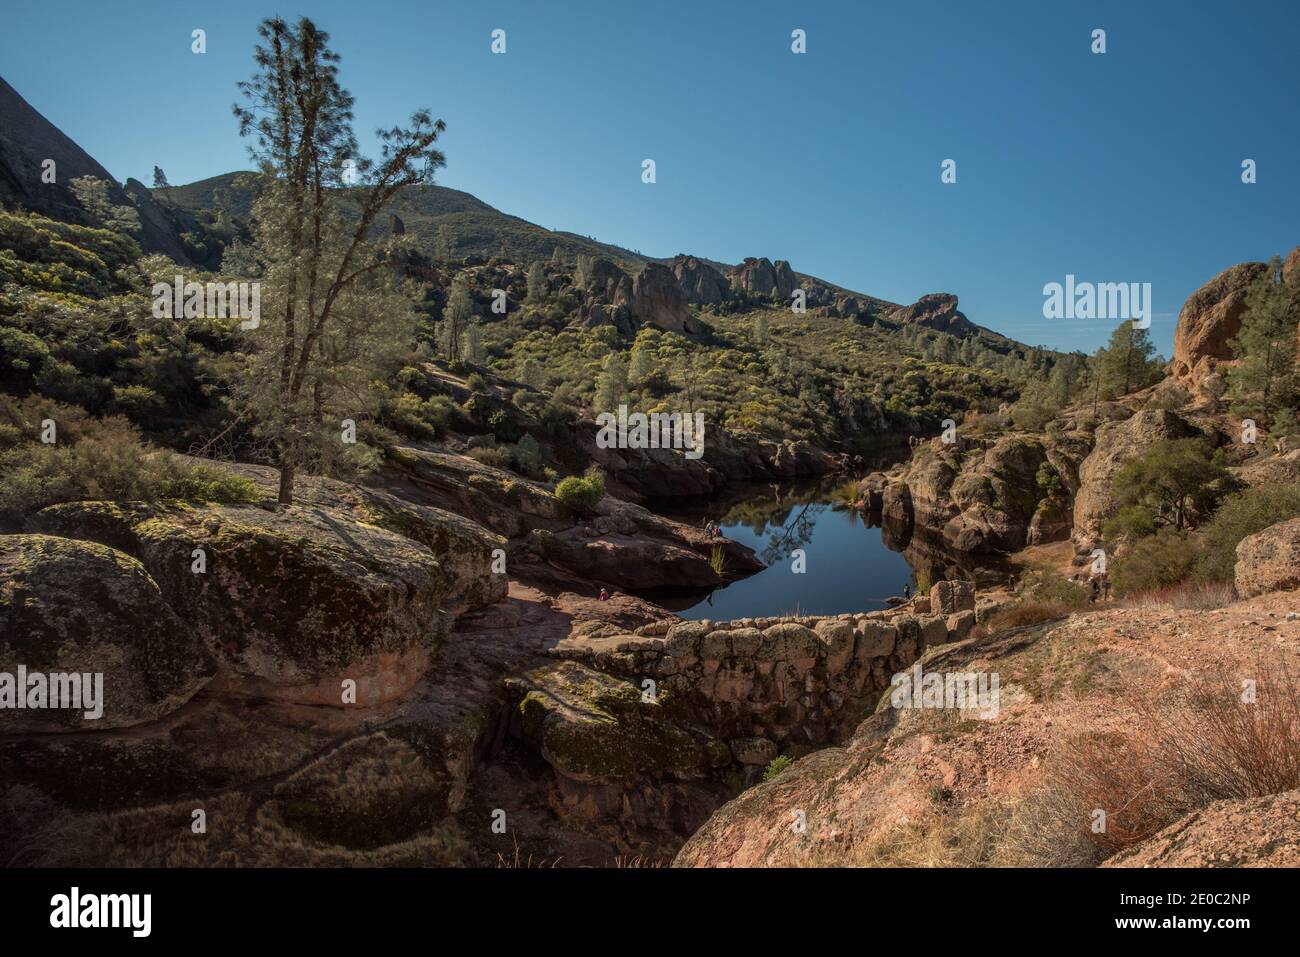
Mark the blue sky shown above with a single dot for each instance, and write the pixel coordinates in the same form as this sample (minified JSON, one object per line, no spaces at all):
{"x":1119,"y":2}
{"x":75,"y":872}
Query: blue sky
{"x":1117,"y":167}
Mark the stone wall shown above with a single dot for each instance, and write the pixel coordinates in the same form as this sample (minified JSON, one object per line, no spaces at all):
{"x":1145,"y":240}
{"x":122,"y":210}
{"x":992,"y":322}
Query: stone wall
{"x":770,"y":684}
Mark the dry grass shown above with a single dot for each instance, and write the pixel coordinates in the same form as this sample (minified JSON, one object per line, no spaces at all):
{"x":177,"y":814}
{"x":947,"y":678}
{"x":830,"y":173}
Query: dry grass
{"x":518,"y":861}
{"x":1201,"y":744}
{"x":963,"y":837}
{"x":1197,"y":596}
{"x":1020,"y":616}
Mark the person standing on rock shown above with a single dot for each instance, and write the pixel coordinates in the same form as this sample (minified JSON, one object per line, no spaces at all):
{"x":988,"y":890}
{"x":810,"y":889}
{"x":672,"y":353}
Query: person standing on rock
{"x":907,"y":592}
{"x":604,"y":595}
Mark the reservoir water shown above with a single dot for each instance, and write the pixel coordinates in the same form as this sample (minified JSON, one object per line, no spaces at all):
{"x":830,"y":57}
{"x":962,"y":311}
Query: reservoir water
{"x":846,"y":565}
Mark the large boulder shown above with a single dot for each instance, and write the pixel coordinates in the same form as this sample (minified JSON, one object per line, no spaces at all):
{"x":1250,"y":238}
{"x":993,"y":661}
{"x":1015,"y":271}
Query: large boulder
{"x":75,"y":607}
{"x":294,"y":600}
{"x":951,"y":597}
{"x":1209,"y":320}
{"x":657,"y":300}
{"x":1269,"y":560}
{"x":592,"y":727}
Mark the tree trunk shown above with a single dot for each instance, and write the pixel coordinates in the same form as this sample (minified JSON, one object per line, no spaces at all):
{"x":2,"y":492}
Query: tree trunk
{"x":286,"y":485}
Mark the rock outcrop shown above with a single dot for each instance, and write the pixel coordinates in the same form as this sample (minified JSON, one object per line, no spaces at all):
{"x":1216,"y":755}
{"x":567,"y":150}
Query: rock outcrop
{"x":1210,"y":319}
{"x":1269,"y":560}
{"x":700,"y":283}
{"x":79,"y":608}
{"x":1255,"y":832}
{"x":937,"y":311}
{"x":658,"y":301}
{"x":30,"y":141}
{"x":295,"y":600}
{"x":980,"y":498}
{"x":1115,"y":444}
{"x":760,"y":277}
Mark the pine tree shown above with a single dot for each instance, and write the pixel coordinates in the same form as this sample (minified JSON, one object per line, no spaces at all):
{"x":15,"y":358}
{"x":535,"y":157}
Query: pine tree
{"x":1126,"y":362}
{"x":1264,"y":381}
{"x":611,"y":386}
{"x":640,"y":367}
{"x":473,"y":345}
{"x":760,"y":329}
{"x":536,"y":281}
{"x":456,"y":316}
{"x":331,"y":316}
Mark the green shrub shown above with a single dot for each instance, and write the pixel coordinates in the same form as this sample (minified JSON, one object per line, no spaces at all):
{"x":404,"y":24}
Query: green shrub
{"x":1130,"y":522}
{"x":205,"y":484}
{"x":528,"y":455}
{"x":492,"y":455}
{"x":1241,"y":515}
{"x":776,"y":766}
{"x":93,"y":459}
{"x":581,"y":493}
{"x":1051,"y":589}
{"x":1157,"y":561}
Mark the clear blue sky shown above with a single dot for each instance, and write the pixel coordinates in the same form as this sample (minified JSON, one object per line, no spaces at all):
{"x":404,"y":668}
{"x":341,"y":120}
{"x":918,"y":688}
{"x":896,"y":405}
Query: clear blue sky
{"x":1119,"y":167}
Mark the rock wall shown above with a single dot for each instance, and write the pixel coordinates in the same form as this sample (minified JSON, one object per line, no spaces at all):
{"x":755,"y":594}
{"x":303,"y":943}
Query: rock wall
{"x":768,"y":684}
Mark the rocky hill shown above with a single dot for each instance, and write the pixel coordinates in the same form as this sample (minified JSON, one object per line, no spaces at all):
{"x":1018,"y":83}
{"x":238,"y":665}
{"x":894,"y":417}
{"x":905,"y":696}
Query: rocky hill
{"x":30,"y":140}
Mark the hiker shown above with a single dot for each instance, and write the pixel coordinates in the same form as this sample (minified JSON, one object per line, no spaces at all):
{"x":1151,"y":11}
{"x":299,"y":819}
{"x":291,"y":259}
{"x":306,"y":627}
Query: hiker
{"x":907,"y":592}
{"x":604,"y":595}
{"x":1105,"y":589}
{"x":1096,"y":590}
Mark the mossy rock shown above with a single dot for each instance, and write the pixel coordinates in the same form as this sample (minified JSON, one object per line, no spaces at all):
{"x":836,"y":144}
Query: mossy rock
{"x":289,"y":595}
{"x":79,"y":607}
{"x":594,"y":727}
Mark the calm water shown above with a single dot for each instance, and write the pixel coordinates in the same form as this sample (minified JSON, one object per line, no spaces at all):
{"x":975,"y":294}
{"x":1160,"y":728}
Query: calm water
{"x":848,"y":567}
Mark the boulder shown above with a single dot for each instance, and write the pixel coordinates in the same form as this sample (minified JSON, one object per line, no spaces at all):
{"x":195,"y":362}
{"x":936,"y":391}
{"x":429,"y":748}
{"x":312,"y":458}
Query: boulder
{"x":875,"y":640}
{"x":951,"y":597}
{"x":789,"y":641}
{"x":78,"y":607}
{"x":296,"y":599}
{"x":1269,"y":560}
{"x":592,"y":727}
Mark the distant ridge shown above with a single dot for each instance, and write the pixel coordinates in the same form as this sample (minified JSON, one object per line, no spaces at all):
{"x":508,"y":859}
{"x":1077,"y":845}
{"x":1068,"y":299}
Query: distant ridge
{"x":28,"y":139}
